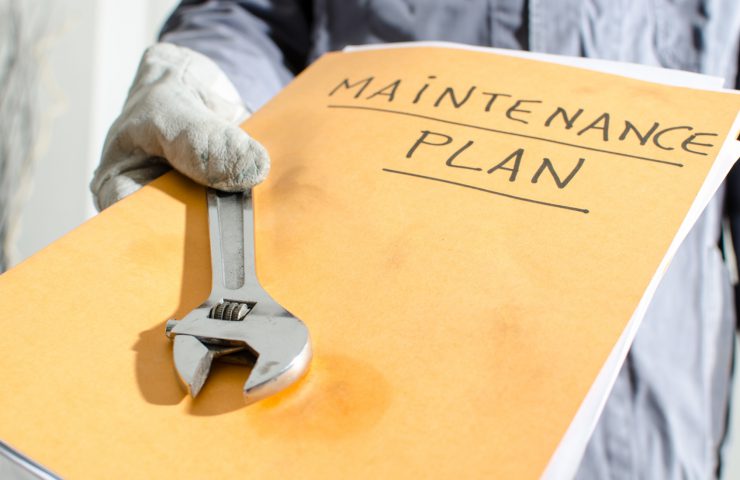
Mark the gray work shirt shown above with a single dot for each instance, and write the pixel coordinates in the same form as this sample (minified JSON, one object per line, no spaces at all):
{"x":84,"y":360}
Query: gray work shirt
{"x":667,"y":414}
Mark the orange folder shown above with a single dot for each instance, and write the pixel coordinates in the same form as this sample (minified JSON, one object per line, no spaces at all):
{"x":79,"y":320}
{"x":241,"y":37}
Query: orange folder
{"x":465,"y":255}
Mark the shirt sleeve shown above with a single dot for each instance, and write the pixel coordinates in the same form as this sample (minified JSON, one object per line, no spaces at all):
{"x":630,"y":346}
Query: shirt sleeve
{"x":259,"y":44}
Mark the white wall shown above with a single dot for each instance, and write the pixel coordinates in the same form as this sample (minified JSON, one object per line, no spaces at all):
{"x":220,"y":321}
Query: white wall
{"x":90,"y":60}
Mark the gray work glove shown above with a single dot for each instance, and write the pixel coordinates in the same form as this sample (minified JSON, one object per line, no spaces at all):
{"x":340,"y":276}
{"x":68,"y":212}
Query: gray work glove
{"x":182,"y":111}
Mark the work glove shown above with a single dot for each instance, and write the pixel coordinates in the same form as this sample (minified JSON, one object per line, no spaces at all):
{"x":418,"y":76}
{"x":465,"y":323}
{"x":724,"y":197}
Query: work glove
{"x":181,"y":111}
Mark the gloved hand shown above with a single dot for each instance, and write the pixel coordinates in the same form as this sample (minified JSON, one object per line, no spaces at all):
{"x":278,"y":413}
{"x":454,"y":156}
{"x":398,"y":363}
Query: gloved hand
{"x":181,"y":111}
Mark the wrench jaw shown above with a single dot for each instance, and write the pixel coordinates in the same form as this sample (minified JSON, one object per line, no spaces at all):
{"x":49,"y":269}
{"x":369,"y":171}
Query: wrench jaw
{"x":281,"y":344}
{"x":192,"y":361}
{"x":270,"y":376}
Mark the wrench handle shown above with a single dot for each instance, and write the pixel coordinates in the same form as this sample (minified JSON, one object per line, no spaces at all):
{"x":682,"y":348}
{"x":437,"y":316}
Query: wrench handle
{"x":231,"y":230}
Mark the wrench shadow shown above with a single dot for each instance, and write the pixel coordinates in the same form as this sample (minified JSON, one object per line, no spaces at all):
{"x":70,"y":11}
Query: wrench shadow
{"x":155,"y":372}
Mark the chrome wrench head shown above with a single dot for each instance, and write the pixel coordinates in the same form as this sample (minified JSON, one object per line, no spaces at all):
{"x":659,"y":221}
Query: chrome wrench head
{"x":281,"y":345}
{"x":239,"y":320}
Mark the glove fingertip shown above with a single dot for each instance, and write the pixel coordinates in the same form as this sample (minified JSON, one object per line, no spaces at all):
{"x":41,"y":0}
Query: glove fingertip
{"x":246,"y":167}
{"x":261,"y":159}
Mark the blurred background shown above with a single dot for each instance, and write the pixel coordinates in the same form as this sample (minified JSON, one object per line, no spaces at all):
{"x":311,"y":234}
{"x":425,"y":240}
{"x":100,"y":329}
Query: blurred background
{"x":65,"y":69}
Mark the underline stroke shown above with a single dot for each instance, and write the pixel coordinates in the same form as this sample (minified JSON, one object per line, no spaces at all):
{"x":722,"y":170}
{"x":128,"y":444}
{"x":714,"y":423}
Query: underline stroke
{"x":492,"y":192}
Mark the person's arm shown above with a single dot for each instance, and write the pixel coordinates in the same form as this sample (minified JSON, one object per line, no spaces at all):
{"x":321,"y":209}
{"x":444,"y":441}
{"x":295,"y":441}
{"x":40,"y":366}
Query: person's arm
{"x":259,"y":44}
{"x":217,"y":62}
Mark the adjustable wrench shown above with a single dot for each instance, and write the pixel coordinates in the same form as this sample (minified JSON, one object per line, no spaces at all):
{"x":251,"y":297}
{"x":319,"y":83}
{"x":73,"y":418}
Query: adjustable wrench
{"x":239,"y":320}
